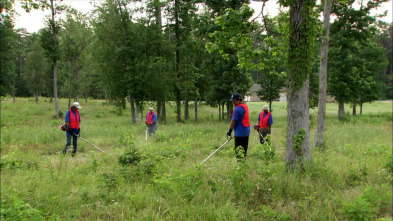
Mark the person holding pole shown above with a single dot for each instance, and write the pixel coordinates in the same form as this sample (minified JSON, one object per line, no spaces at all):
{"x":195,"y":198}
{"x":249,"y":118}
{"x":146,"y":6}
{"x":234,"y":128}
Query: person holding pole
{"x":241,"y":124}
{"x":72,"y":121}
{"x":265,"y":121}
{"x":151,"y":121}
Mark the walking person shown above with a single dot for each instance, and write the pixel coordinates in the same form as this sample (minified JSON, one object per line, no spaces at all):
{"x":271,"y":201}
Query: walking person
{"x":72,"y":122}
{"x":151,"y":121}
{"x":241,"y":124}
{"x":265,"y":121}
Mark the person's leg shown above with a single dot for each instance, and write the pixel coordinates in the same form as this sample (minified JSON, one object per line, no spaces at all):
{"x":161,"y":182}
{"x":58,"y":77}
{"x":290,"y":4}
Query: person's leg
{"x":68,"y":143}
{"x":149,"y":129}
{"x":154,"y":129}
{"x":261,"y":136}
{"x":75,"y":144}
{"x":245,"y":145}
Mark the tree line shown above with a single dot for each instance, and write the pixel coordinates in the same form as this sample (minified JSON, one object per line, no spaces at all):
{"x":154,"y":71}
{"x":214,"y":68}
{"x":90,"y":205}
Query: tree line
{"x":133,"y":52}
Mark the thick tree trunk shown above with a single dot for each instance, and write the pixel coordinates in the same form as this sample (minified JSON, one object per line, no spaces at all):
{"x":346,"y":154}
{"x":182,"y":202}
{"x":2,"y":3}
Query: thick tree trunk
{"x":36,"y":96}
{"x":341,"y":110}
{"x":298,"y":152}
{"x":319,"y":134}
{"x":132,"y":106}
{"x":196,"y":110}
{"x":361,"y":107}
{"x":298,"y":119}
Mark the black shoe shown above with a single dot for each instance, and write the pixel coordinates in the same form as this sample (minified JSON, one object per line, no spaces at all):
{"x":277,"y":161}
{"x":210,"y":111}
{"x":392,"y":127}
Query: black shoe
{"x":73,"y":154}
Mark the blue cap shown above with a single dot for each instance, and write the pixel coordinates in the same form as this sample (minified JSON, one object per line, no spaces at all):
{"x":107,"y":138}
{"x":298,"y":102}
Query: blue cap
{"x":235,"y":96}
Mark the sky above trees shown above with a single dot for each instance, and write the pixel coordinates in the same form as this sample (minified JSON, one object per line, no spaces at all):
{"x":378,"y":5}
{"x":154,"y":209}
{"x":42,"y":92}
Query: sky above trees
{"x":34,"y":20}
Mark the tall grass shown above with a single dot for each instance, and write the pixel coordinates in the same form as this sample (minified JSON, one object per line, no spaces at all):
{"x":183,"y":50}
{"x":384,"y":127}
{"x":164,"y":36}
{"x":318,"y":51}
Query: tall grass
{"x":350,"y":179}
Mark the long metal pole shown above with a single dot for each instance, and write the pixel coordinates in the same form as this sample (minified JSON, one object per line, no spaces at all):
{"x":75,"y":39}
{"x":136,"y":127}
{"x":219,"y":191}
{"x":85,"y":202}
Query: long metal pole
{"x":90,"y":143}
{"x":217,"y":150}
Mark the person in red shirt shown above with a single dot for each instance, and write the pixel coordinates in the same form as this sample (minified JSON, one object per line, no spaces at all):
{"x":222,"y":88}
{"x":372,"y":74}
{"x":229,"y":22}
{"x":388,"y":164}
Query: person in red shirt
{"x":151,"y":121}
{"x":72,"y":121}
{"x":265,"y":121}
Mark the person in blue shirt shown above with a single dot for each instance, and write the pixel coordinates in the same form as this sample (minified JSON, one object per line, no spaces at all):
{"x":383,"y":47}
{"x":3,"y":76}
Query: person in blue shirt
{"x":72,"y":122}
{"x":151,"y":121}
{"x":241,"y":124}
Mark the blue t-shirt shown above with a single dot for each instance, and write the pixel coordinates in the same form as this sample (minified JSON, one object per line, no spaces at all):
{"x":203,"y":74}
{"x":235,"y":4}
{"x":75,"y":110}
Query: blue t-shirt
{"x":240,"y":130}
{"x":154,"y":117}
{"x":270,"y":118}
{"x":67,"y":119}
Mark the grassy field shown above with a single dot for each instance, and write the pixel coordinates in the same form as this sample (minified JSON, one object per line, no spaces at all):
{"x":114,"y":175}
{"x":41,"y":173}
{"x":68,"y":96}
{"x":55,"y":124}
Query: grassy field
{"x":161,"y":179}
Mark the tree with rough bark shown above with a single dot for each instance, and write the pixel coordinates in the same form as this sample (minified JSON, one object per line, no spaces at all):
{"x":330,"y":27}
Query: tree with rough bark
{"x":301,"y":34}
{"x":319,"y":134}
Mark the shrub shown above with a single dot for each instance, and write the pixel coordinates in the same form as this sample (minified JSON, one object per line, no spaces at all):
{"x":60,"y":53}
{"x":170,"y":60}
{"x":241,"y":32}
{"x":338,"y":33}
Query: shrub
{"x":13,"y":208}
{"x":268,"y":152}
{"x":367,"y":206}
{"x":161,"y":137}
{"x":131,"y":156}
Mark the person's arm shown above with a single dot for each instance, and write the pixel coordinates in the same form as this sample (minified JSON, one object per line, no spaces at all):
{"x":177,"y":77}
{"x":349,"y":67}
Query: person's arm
{"x":155,"y":118}
{"x":67,"y":118}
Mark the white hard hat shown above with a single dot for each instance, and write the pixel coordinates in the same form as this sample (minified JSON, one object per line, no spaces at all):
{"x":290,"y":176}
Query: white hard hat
{"x":76,"y":104}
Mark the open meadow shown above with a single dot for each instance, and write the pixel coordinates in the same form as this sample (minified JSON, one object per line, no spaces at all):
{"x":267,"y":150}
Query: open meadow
{"x":162,"y":179}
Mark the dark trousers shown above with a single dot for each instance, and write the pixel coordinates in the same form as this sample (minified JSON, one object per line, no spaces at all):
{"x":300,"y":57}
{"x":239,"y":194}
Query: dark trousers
{"x":241,"y":141}
{"x":264,"y":133}
{"x":74,"y":143}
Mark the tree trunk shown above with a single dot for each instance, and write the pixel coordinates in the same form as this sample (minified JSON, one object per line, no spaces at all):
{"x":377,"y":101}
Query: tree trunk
{"x":219,"y":111}
{"x":229,"y":111}
{"x":55,"y":89}
{"x":196,"y":110}
{"x":186,"y":113}
{"x":319,"y":134}
{"x":223,"y":111}
{"x":270,"y":105}
{"x":298,"y":152}
{"x":354,"y":110}
{"x":177,"y":65}
{"x":69,"y":94}
{"x":53,"y":28}
{"x":132,"y":105}
{"x":163,"y":110}
{"x":298,"y":119}
{"x":361,"y":107}
{"x":36,"y":96}
{"x":341,"y":110}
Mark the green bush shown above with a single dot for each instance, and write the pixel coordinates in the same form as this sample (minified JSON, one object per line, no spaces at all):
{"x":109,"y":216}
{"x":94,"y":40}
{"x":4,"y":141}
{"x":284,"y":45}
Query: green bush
{"x":13,"y":208}
{"x":131,"y":156}
{"x":161,"y":137}
{"x":359,"y":210}
{"x":373,"y":201}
